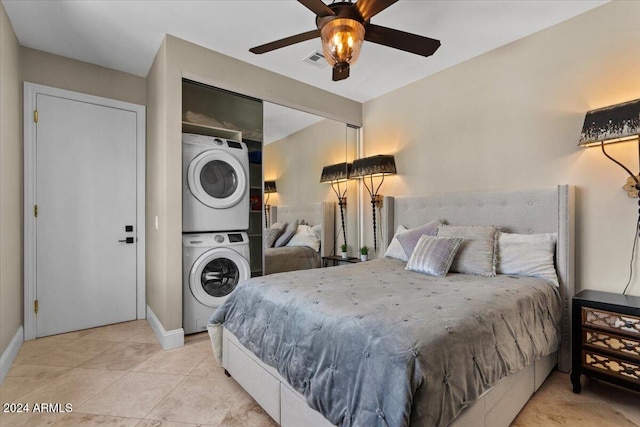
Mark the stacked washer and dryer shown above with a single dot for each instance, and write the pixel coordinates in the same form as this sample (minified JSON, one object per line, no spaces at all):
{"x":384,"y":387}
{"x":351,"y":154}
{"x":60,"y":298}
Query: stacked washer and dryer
{"x":215,"y":217}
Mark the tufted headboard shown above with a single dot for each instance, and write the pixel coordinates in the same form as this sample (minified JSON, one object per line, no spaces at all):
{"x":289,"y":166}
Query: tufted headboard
{"x":313,"y":213}
{"x":544,"y":210}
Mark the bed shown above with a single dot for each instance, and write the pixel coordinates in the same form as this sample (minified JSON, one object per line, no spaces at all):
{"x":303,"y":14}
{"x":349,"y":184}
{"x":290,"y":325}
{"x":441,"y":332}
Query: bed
{"x":390,"y":383}
{"x":291,"y":258}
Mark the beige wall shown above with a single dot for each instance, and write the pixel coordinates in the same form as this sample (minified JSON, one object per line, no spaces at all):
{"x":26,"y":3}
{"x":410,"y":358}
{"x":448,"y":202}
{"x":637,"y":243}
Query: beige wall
{"x":10,"y":184}
{"x":184,"y":59}
{"x":65,"y":73}
{"x":511,"y":119}
{"x":296,"y":161}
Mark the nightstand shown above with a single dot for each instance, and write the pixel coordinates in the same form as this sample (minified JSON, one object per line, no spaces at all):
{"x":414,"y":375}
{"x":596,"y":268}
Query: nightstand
{"x":606,"y":338}
{"x":333,"y":260}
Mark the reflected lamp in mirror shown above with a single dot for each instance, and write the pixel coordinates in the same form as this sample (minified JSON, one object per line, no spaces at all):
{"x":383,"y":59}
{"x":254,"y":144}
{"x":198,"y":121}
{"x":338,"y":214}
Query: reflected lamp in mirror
{"x":269,"y":187}
{"x":337,"y":174}
{"x":371,"y":169}
{"x":617,"y":123}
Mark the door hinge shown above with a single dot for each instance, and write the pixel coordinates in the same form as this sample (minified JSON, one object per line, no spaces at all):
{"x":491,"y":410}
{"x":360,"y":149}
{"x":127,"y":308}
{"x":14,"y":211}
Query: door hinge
{"x":35,"y":116}
{"x":35,"y":211}
{"x":35,"y":306}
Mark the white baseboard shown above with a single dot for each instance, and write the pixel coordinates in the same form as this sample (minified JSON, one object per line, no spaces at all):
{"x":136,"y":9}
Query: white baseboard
{"x":11,"y":353}
{"x":168,"y":339}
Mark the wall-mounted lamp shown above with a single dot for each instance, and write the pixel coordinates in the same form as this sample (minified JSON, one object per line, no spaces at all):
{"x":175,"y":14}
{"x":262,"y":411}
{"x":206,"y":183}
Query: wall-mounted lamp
{"x":617,"y":123}
{"x":336,"y":174}
{"x":370,"y":167}
{"x":269,"y":187}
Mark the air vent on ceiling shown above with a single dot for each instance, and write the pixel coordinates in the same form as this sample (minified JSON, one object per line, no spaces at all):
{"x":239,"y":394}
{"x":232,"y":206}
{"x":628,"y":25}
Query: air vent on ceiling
{"x":316,"y":59}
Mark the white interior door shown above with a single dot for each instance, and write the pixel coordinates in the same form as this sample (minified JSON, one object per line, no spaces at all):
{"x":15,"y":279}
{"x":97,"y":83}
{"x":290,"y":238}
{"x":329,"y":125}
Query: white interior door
{"x":86,"y":195}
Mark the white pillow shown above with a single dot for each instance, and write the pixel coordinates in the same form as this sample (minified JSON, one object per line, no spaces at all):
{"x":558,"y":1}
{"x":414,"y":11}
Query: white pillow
{"x":395,"y":250}
{"x":305,"y":236}
{"x":527,"y":255}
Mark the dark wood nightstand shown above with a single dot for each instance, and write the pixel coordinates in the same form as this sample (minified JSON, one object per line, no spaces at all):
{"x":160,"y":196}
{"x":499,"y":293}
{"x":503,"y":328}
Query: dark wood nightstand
{"x":333,"y":260}
{"x":606,"y":338}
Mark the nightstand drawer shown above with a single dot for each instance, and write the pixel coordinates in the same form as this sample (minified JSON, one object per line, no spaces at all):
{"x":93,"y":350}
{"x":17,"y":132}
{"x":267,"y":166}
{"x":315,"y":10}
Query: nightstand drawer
{"x":611,"y":343}
{"x":615,"y":322}
{"x":611,"y":366}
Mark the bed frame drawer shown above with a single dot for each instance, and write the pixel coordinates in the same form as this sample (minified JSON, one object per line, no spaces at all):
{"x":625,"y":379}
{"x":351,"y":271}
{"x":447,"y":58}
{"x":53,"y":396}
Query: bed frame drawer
{"x":260,"y":384}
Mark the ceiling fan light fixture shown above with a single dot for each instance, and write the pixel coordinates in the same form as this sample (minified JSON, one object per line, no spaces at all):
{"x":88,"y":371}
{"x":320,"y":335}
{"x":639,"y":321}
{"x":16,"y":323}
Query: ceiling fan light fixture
{"x":341,"y":40}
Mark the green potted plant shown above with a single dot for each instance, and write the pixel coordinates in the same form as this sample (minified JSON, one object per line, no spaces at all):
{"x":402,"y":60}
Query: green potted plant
{"x":343,"y":248}
{"x":364,"y":253}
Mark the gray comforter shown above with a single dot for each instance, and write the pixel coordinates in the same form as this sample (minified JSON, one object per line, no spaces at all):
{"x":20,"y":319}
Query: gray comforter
{"x":290,"y":258}
{"x":371,"y":344}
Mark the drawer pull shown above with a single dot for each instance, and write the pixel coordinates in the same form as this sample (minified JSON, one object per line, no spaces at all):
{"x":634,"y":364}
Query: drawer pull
{"x":629,"y":370}
{"x":629,"y":346}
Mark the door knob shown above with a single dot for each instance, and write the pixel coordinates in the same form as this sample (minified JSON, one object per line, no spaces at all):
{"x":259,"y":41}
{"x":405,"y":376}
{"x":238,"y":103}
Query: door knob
{"x":127,"y":240}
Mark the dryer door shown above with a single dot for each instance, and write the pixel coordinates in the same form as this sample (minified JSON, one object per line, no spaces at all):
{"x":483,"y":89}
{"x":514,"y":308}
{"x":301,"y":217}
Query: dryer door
{"x":216,"y":273}
{"x":217,"y":179}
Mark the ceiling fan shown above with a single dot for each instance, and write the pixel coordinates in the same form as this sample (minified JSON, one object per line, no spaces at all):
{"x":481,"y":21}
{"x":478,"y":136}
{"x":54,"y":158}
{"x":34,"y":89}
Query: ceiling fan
{"x":343,"y":26}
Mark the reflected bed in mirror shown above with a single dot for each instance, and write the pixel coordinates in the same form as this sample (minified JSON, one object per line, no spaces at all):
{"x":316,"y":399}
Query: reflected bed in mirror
{"x":297,"y":146}
{"x":313,"y":236}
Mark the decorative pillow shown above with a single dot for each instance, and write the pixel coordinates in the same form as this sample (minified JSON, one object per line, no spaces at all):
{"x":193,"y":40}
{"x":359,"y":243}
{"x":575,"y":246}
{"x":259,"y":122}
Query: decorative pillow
{"x":433,"y":255}
{"x":409,"y":239}
{"x":394,"y":250}
{"x":305,"y":236}
{"x":287,"y":234}
{"x":527,"y":255}
{"x":271,"y":235}
{"x":477,"y":254}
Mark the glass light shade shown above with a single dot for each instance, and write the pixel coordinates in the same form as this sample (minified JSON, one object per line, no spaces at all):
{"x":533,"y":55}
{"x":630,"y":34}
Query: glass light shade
{"x":341,"y":40}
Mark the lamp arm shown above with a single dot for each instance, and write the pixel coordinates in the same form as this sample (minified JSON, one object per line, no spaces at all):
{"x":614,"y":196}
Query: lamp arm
{"x":619,"y":164}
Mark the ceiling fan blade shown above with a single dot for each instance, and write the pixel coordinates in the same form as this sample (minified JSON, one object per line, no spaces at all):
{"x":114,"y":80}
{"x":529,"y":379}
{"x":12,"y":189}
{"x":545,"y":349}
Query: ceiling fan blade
{"x":400,"y":40}
{"x":317,"y":7}
{"x":287,"y":41}
{"x":340,"y":73}
{"x":369,"y":8}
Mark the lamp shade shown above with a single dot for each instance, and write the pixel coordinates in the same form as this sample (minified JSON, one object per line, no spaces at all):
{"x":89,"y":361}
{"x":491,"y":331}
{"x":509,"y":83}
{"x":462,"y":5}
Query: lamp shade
{"x":616,"y":123}
{"x":270,"y":187}
{"x":337,"y":172}
{"x":374,"y":165}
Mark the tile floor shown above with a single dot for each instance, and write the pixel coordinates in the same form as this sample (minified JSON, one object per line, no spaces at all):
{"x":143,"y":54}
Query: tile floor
{"x":118,"y":375}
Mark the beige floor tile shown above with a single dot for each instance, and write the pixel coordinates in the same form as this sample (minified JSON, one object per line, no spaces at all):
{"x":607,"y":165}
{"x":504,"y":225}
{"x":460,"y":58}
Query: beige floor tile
{"x":28,"y":419}
{"x":202,"y":336}
{"x":245,"y":412}
{"x":36,"y":348}
{"x":76,"y":387}
{"x":123,"y":356}
{"x":145,"y":335}
{"x":208,"y":366}
{"x":22,"y":379}
{"x":133,"y":395}
{"x":200,"y":400}
{"x":65,"y":352}
{"x":117,"y":331}
{"x":90,"y":420}
{"x":157,"y":423}
{"x":179,"y":361}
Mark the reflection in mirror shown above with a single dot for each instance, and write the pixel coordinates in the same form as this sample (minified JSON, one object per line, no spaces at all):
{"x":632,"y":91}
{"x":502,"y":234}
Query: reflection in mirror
{"x":297,"y":146}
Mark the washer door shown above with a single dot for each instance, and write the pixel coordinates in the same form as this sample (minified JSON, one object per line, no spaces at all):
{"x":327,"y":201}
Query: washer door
{"x":216,"y":273}
{"x":217,"y":179}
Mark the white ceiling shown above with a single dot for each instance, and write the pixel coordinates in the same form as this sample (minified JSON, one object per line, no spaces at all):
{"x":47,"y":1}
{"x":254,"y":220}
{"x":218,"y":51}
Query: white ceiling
{"x":280,"y":121}
{"x":125,"y":35}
